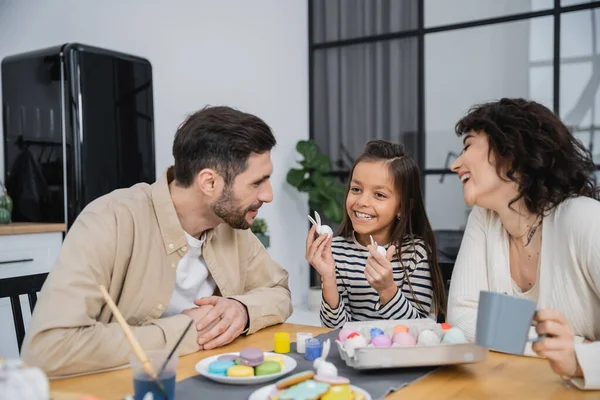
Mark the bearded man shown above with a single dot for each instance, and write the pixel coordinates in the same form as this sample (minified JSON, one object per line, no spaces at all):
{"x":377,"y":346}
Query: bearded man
{"x":176,"y":250}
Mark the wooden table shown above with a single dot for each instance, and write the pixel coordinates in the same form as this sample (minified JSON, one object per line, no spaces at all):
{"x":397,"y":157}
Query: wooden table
{"x":499,"y":377}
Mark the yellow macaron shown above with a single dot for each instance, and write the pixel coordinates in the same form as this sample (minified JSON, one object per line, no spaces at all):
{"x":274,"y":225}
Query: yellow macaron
{"x":276,"y":359}
{"x":240,"y":371}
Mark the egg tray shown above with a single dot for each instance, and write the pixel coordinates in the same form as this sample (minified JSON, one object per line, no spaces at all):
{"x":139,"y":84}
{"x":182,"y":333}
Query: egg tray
{"x":413,"y":356}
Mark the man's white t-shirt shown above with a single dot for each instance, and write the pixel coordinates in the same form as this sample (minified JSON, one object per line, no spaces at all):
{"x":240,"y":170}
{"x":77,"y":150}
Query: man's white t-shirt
{"x":193,"y":279}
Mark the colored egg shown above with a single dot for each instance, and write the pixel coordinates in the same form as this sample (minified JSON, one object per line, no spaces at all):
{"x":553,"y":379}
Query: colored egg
{"x":373,"y":332}
{"x":381,"y":341}
{"x":353,"y":342}
{"x":404,"y":339}
{"x":344,"y":333}
{"x":428,"y":338}
{"x":400,"y":328}
{"x":454,"y":336}
{"x":445,"y":326}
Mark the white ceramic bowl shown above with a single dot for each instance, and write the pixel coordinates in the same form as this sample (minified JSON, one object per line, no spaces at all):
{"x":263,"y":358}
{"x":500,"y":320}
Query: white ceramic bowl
{"x":288,"y":362}
{"x":264,"y":392}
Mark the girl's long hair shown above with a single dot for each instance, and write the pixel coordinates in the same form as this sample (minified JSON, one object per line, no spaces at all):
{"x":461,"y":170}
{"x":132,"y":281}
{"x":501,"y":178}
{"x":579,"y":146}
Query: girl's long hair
{"x":412,"y":223}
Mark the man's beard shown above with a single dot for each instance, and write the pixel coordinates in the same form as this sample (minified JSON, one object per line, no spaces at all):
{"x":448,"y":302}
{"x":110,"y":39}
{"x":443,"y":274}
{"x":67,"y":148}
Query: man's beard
{"x":227,"y":209}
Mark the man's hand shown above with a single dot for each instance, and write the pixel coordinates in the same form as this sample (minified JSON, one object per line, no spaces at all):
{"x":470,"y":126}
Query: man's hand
{"x":197,"y":314}
{"x":224,"y":322}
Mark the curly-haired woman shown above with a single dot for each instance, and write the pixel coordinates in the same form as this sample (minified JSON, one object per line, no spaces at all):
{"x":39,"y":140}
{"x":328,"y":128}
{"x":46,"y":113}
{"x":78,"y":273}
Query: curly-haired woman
{"x":534,"y":231}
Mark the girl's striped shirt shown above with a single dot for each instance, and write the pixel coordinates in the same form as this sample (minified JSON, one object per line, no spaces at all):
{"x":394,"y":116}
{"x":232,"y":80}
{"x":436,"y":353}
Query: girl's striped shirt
{"x":360,"y":302}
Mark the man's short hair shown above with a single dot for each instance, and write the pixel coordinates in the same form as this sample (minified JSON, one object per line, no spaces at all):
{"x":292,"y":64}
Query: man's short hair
{"x":219,"y":138}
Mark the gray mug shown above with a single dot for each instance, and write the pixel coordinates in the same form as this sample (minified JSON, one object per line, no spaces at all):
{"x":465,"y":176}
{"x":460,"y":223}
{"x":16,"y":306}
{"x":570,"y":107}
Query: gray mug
{"x":503,"y":322}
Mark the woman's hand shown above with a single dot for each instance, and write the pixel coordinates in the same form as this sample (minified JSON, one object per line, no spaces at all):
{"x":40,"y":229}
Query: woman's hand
{"x":559,"y":344}
{"x":318,"y":254}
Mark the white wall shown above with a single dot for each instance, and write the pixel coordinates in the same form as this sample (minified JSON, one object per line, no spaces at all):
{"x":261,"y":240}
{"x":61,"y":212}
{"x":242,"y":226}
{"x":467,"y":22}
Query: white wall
{"x":252,"y":55}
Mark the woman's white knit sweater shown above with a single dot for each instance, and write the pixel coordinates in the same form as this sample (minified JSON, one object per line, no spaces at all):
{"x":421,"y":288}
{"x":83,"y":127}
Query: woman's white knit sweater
{"x":568,"y":279}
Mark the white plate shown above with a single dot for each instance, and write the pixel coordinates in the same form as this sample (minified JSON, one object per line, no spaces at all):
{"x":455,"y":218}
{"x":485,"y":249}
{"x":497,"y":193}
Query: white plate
{"x":288,"y":362}
{"x":264,"y":392}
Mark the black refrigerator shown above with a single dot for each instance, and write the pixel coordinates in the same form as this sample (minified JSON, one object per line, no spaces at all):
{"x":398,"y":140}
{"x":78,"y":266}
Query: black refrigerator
{"x":78,"y":123}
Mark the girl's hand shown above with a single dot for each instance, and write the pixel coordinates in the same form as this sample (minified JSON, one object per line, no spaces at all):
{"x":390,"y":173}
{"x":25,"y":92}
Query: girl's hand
{"x":318,"y":254}
{"x":559,"y":344}
{"x":379,"y":271}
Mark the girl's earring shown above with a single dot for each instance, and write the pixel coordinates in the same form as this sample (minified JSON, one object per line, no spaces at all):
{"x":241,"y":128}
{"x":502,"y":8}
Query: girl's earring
{"x":399,"y":216}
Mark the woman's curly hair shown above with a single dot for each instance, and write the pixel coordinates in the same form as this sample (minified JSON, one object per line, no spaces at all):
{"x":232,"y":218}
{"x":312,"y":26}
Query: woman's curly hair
{"x":532,"y":147}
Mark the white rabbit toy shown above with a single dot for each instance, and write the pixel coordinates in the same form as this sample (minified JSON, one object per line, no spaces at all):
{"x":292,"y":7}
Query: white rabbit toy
{"x":380,"y":249}
{"x":324,"y":368}
{"x":321,"y":229}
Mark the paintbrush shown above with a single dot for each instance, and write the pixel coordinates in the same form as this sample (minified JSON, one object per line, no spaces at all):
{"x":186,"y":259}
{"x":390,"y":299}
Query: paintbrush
{"x":187,"y":328}
{"x":135,"y":345}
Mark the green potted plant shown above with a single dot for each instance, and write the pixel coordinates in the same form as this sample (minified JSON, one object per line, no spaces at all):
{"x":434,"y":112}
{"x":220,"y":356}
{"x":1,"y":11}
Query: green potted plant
{"x":6,"y":206}
{"x":314,"y":177}
{"x":259,"y":228}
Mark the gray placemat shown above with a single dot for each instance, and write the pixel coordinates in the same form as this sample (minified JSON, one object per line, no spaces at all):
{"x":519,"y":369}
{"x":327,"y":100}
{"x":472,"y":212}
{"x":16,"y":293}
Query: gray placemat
{"x":378,"y":383}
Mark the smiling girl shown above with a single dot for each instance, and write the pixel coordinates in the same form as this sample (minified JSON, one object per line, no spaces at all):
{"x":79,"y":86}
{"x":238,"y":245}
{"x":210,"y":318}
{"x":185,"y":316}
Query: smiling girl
{"x":383,"y":200}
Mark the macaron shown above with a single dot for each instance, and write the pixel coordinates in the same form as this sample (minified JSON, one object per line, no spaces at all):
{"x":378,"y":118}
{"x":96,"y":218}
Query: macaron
{"x":267,"y":368}
{"x":251,"y":356}
{"x":278,"y":359}
{"x":231,"y":357}
{"x":220,"y":367}
{"x":240,"y":371}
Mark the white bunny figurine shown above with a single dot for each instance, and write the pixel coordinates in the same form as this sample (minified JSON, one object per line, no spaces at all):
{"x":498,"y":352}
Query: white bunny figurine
{"x":147,"y":396}
{"x":380,"y":249}
{"x":321,"y":229}
{"x":324,"y":368}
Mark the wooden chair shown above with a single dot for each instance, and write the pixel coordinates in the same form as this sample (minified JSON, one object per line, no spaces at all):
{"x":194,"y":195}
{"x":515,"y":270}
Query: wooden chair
{"x":13,"y":288}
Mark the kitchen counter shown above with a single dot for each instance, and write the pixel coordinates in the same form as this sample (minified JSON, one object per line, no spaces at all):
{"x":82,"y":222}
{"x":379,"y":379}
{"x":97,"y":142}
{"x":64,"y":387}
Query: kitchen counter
{"x":19,"y":228}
